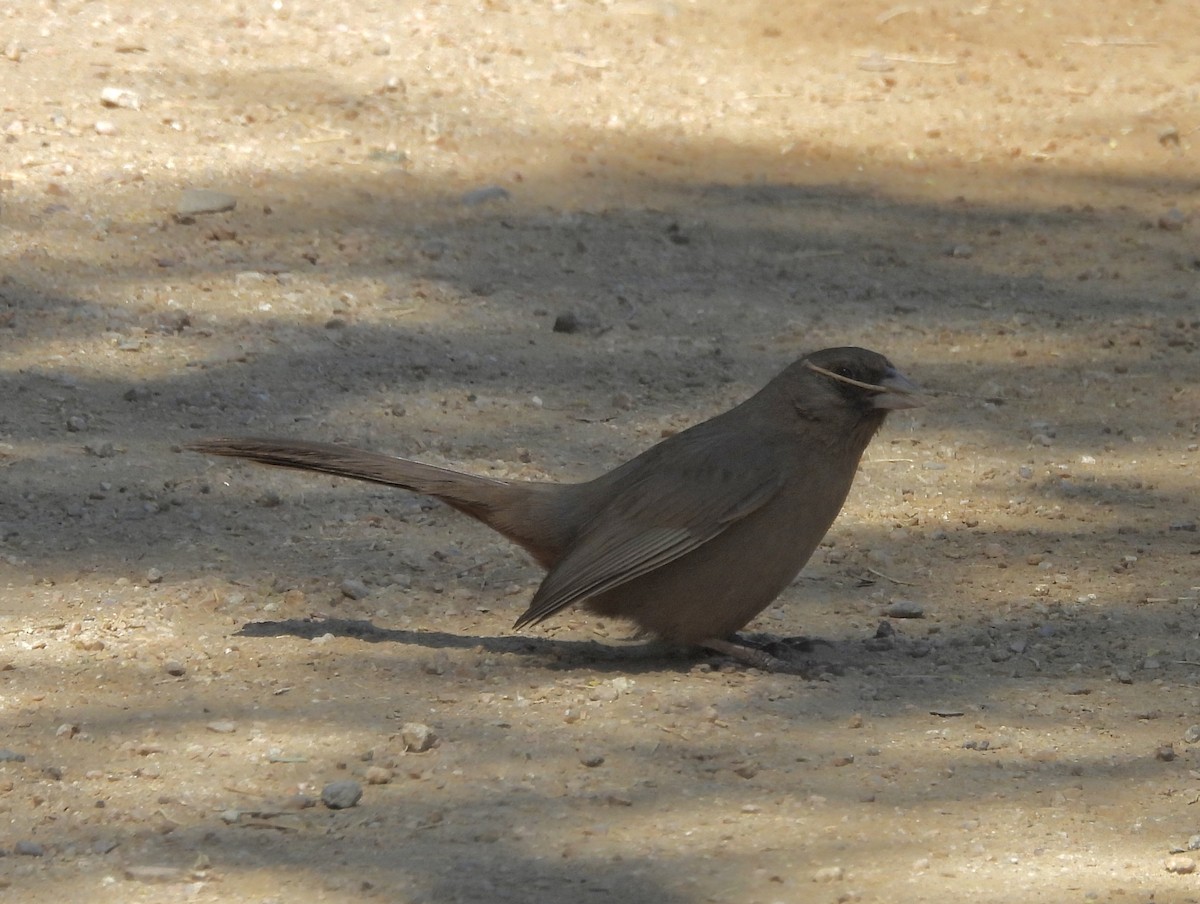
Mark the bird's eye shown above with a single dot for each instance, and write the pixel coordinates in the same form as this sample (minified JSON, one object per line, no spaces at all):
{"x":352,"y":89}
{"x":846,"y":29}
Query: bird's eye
{"x":843,"y":371}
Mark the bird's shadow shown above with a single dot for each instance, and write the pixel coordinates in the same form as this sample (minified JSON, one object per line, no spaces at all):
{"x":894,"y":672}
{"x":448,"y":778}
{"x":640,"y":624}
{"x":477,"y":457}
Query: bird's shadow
{"x":550,"y":653}
{"x":556,"y":654}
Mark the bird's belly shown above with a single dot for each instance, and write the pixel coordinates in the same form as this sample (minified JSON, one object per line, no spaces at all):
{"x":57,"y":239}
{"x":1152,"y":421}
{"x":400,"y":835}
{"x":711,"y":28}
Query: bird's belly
{"x":718,"y":588}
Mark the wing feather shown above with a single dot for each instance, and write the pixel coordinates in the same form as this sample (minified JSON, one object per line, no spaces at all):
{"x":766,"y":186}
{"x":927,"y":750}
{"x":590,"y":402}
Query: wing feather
{"x":643,"y":530}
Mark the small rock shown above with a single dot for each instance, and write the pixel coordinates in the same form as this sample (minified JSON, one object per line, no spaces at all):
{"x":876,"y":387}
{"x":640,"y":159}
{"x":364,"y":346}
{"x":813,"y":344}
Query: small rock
{"x":173,"y":667}
{"x":417,"y":737}
{"x":66,"y":730}
{"x":829,"y":874}
{"x":566,"y":323}
{"x":341,"y":795}
{"x":884,"y":639}
{"x":105,"y":127}
{"x":1183,"y":866}
{"x":478,"y":196}
{"x":154,"y":576}
{"x":1191,"y":736}
{"x":377,"y":775}
{"x":100,"y":450}
{"x":103,"y":846}
{"x":11,"y":756}
{"x":297,"y":802}
{"x":29,"y":849}
{"x":120,"y":97}
{"x":222,"y":727}
{"x":195,"y":201}
{"x":904,"y":609}
{"x":963,"y":251}
{"x":1165,"y":753}
{"x":592,"y":760}
{"x":354,"y":589}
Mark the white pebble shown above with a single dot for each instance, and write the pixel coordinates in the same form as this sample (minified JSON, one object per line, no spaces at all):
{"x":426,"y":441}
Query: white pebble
{"x":120,"y":97}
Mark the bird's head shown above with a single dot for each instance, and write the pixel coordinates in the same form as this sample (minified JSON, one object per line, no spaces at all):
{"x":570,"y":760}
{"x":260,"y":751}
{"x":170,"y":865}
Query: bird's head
{"x":861,"y":379}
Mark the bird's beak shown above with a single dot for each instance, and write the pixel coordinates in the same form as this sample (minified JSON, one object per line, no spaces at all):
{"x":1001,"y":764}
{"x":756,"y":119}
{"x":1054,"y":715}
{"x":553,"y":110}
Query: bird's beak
{"x":899,"y":392}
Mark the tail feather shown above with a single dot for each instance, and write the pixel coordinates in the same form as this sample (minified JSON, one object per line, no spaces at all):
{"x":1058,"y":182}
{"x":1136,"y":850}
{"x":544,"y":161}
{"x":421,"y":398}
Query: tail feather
{"x":345,"y":461}
{"x":516,"y":509}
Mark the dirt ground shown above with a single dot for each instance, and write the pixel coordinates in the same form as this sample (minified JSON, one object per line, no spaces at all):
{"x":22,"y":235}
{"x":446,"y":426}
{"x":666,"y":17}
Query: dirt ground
{"x":1001,"y":197}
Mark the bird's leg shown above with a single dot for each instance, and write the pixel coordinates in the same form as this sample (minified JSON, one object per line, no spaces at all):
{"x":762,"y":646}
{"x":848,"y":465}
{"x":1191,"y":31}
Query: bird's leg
{"x":751,"y":656}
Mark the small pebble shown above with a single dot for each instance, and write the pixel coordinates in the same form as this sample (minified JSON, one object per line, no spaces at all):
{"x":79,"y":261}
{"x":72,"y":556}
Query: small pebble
{"x":11,"y":756}
{"x":1183,"y":866}
{"x":222,"y":727}
{"x":354,"y":589}
{"x":120,"y":97}
{"x":173,"y":667}
{"x":417,"y":737}
{"x":341,"y":795}
{"x":377,"y":775}
{"x":297,"y":802}
{"x":104,"y":127}
{"x":154,"y":576}
{"x":566,"y":323}
{"x":592,"y":760}
{"x":29,"y":849}
{"x":904,"y":609}
{"x":1191,"y":736}
{"x":1165,"y":753}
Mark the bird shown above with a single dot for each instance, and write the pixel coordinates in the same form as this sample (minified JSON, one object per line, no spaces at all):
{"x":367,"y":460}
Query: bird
{"x":691,"y":539}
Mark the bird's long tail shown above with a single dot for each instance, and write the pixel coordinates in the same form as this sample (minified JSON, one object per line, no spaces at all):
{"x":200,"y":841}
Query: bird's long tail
{"x":503,"y":505}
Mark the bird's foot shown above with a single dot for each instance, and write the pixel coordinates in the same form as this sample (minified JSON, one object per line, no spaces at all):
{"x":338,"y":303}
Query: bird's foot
{"x":754,"y":656}
{"x":786,"y":647}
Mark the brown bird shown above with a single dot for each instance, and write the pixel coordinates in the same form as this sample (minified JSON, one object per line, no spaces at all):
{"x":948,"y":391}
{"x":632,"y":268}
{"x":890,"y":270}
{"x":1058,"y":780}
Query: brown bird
{"x":689,"y":540}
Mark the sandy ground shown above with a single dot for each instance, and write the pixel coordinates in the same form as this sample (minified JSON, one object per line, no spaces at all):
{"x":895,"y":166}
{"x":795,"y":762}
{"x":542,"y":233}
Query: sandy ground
{"x":1000,"y":197}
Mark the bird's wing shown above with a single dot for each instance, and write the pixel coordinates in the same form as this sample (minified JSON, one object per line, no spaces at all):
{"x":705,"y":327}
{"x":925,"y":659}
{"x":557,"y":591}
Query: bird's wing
{"x":653,"y":518}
